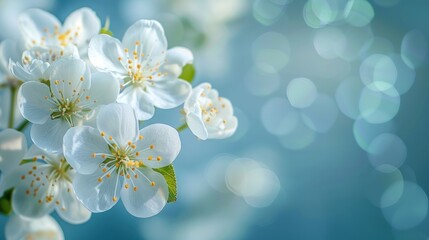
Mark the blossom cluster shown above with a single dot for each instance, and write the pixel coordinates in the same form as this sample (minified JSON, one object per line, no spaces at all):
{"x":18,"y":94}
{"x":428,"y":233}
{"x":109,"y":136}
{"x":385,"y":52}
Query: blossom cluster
{"x":84,"y":93}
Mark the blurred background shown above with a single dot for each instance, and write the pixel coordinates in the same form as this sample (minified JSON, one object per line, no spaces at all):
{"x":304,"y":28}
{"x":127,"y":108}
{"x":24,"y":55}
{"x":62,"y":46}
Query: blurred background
{"x":331,"y":97}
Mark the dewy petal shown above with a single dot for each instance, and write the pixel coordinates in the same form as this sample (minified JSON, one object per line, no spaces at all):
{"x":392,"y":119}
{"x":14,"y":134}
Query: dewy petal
{"x":177,"y":58}
{"x":104,"y":88}
{"x":168,"y":93}
{"x":83,"y":24}
{"x":138,"y":99}
{"x":80,"y":143}
{"x":32,"y":103}
{"x":151,"y":40}
{"x":95,"y":195}
{"x":31,"y":201}
{"x":160,"y":143}
{"x":13,"y":146}
{"x":150,"y":195}
{"x":119,"y":121}
{"x":10,"y":50}
{"x":70,"y":208}
{"x":49,"y":136}
{"x":73,"y":76}
{"x":106,"y":54}
{"x":196,"y":125}
{"x":35,"y":23}
{"x":18,"y":228}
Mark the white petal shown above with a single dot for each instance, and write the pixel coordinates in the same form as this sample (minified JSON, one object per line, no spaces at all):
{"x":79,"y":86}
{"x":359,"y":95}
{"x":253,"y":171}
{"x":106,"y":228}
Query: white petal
{"x":152,"y":42}
{"x":13,"y":146}
{"x":32,"y":103}
{"x":165,"y":142}
{"x":196,"y":125}
{"x":230,"y":128}
{"x":119,"y":121}
{"x":85,"y":23}
{"x":73,"y":76}
{"x":79,"y":145}
{"x":30,"y":200}
{"x":70,"y":208}
{"x":49,"y":136}
{"x":169,"y":93}
{"x":11,"y":178}
{"x":192,"y":100}
{"x":24,"y":74}
{"x":177,"y":58}
{"x":10,"y":50}
{"x":147,"y":200}
{"x":139,"y":101}
{"x":19,"y":228}
{"x":97,"y":196}
{"x":106,"y":54}
{"x":104,"y":88}
{"x":33,"y":24}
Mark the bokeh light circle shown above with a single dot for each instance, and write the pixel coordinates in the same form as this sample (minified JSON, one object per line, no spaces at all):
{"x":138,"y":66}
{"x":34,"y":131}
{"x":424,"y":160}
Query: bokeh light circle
{"x":299,"y":138}
{"x":377,"y":183}
{"x":347,"y":97}
{"x":262,"y":80}
{"x":388,"y":150}
{"x":329,"y":42}
{"x":414,"y":48}
{"x":410,"y":209}
{"x":406,"y":75}
{"x":379,"y":107}
{"x":261,"y":187}
{"x":301,"y":92}
{"x":271,"y":48}
{"x":359,"y":13}
{"x":278,"y":117}
{"x":365,"y":132}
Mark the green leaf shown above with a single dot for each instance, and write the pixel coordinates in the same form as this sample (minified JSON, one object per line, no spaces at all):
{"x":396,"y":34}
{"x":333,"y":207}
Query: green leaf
{"x":170,"y":178}
{"x":6,"y":202}
{"x":188,"y":73}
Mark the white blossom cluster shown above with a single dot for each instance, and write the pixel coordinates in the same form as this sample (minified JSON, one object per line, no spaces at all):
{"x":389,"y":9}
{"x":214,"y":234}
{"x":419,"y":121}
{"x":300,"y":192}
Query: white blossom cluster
{"x":84,"y":93}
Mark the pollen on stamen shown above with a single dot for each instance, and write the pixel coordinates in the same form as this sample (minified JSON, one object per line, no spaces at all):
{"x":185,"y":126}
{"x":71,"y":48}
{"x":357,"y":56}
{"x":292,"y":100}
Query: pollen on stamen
{"x":100,"y":179}
{"x":81,"y":78}
{"x":104,"y":170}
{"x":102,"y":134}
{"x":137,"y":154}
{"x":135,"y":189}
{"x":56,"y":82}
{"x":126,"y":186}
{"x":158,"y":158}
{"x":27,"y":192}
{"x":136,"y":176}
{"x":149,"y":158}
{"x":114,"y":199}
{"x":110,"y":138}
{"x":137,"y":43}
{"x":108,"y":175}
{"x":152,"y":146}
{"x":93,"y":155}
{"x":126,"y":50}
{"x":119,"y":58}
{"x":128,"y":176}
{"x":103,"y":155}
{"x":141,"y":137}
{"x":34,"y":167}
{"x":23,"y":177}
{"x":87,"y":97}
{"x":152,"y":184}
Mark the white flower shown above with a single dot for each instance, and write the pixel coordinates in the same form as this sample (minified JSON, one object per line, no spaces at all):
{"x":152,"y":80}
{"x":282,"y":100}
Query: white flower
{"x":117,"y":160}
{"x":13,"y":146}
{"x":70,"y":100}
{"x":45,"y":228}
{"x":10,"y":50}
{"x":37,"y":60}
{"x":208,"y":115}
{"x":43,"y":184}
{"x":40,"y":28}
{"x":149,"y":72}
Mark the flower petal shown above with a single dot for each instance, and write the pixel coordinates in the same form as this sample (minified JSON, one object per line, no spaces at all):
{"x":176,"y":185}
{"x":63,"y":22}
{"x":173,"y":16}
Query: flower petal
{"x":70,"y":76}
{"x":13,"y":146}
{"x":95,"y":195}
{"x":79,"y":145}
{"x":23,"y":228}
{"x":169,"y":93}
{"x":196,"y":125}
{"x":49,"y":136}
{"x":177,"y":58}
{"x":30,"y":196}
{"x":10,"y":50}
{"x":160,"y":143}
{"x":138,"y":99}
{"x":84,"y":24}
{"x":32,"y":103}
{"x":70,"y":208}
{"x":119,"y":121}
{"x":147,"y":37}
{"x":106,"y":54}
{"x":150,"y":195}
{"x":104,"y":88}
{"x":230,"y":128}
{"x":35,"y":24}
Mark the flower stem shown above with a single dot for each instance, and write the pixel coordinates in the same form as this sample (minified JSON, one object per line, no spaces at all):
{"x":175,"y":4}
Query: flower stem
{"x":12,"y":106}
{"x":23,"y":125}
{"x":183,"y":127}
